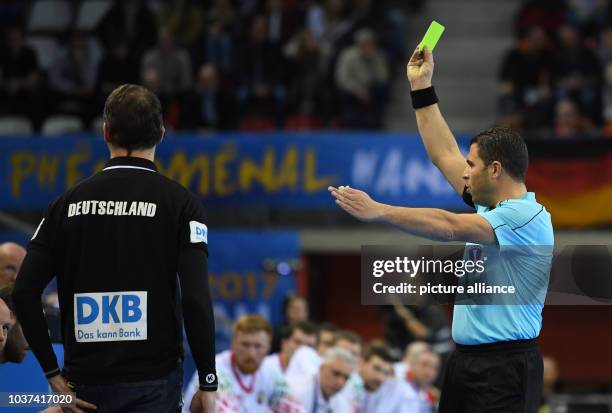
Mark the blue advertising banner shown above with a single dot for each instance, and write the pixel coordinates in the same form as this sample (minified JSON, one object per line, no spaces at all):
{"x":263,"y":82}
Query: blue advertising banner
{"x":250,"y":272}
{"x":279,"y":170}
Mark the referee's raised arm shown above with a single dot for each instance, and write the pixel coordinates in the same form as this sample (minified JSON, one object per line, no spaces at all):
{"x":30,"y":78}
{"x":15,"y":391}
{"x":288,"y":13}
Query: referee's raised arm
{"x":438,"y":139}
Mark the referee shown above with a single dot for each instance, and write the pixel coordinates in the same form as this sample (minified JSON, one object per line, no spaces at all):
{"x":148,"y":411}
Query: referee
{"x":116,"y":242}
{"x":497,"y":366}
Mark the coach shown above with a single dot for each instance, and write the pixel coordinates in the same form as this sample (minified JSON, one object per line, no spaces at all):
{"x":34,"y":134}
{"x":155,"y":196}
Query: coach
{"x":116,"y":242}
{"x":497,"y":366}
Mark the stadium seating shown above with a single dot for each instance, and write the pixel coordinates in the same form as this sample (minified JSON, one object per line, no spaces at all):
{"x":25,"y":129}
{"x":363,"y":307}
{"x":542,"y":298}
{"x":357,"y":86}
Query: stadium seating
{"x":50,"y":16}
{"x":15,"y":126}
{"x":90,"y":13}
{"x":57,"y":125}
{"x":45,"y":48}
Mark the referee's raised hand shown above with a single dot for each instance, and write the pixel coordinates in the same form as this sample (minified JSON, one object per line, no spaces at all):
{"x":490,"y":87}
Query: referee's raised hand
{"x":420,"y":69}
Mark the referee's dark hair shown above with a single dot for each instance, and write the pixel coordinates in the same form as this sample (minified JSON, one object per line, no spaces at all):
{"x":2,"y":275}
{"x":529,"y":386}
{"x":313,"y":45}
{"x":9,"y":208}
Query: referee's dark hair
{"x":506,"y":146}
{"x":133,"y":117}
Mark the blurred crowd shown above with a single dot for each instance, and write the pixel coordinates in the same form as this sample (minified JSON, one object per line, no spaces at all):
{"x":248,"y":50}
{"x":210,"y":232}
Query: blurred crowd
{"x":558,"y":75}
{"x":215,"y":64}
{"x":291,"y":64}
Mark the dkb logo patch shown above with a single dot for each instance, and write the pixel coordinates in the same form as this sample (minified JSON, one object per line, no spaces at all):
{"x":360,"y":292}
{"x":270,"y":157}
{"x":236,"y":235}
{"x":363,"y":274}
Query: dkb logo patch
{"x":113,"y":316}
{"x":198,"y":232}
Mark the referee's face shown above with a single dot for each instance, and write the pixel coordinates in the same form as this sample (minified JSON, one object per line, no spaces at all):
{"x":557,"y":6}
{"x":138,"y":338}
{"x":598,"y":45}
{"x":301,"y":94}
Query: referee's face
{"x":477,"y":179}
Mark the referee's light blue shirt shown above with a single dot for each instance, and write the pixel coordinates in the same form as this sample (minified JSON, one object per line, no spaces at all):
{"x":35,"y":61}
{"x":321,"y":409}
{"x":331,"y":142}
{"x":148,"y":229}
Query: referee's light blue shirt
{"x":522,"y":224}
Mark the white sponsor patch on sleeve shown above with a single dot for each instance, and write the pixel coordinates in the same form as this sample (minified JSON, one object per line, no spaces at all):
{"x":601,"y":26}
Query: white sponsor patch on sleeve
{"x":198,"y":232}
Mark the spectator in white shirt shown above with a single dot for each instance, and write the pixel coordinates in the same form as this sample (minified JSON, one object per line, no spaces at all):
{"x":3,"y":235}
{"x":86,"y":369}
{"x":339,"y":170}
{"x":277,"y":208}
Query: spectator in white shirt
{"x":372,"y":388}
{"x":403,"y":367}
{"x":317,"y":392}
{"x":297,"y":335}
{"x":245,"y":385}
{"x":424,"y":369}
{"x":306,"y":361}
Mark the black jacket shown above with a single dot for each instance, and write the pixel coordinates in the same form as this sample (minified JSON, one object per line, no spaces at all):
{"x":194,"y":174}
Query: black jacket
{"x":116,"y":242}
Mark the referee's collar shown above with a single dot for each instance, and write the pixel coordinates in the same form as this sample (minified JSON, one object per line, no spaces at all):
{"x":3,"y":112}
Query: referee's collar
{"x":528,"y":196}
{"x":130,"y":162}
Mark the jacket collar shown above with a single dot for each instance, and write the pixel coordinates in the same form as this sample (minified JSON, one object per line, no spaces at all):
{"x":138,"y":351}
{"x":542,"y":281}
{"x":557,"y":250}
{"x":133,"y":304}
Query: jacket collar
{"x":130,"y":162}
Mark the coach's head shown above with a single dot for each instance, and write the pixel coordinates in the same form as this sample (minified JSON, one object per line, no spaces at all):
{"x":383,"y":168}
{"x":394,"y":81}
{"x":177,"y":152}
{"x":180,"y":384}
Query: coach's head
{"x":132,"y":121}
{"x":497,"y":162}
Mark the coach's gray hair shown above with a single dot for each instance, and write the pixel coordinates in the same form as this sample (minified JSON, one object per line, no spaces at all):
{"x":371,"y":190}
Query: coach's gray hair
{"x":338,"y":353}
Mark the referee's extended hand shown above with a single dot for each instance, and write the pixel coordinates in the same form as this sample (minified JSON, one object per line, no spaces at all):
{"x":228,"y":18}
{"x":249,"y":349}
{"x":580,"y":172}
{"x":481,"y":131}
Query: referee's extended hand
{"x":58,"y":385}
{"x":202,"y":402}
{"x":420,"y":69}
{"x":357,"y":203}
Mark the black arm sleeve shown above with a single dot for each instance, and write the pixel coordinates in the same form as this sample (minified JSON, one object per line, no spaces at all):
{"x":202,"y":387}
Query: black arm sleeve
{"x":34,"y":275}
{"x":198,"y":313}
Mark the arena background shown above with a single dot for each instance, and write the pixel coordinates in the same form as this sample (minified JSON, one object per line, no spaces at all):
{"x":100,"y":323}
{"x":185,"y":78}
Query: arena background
{"x":261,"y":161}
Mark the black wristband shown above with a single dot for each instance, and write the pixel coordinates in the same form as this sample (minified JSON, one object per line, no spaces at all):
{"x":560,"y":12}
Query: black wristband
{"x":208,"y":382}
{"x":423,"y":97}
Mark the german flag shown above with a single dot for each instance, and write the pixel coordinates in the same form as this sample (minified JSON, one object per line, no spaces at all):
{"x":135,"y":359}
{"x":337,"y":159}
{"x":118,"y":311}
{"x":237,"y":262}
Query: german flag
{"x":573,"y":180}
